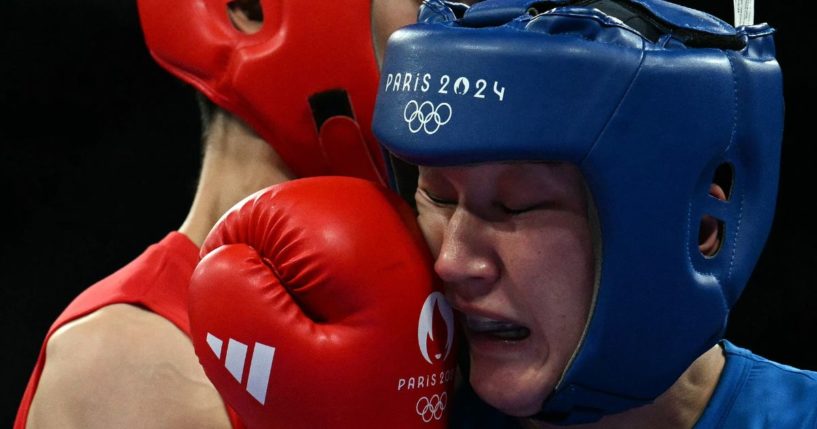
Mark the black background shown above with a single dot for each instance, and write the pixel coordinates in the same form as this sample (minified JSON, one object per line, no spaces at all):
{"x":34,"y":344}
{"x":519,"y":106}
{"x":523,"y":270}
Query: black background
{"x":100,"y":151}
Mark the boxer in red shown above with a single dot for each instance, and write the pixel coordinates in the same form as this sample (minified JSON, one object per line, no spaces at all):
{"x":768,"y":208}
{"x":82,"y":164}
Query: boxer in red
{"x":288,"y":92}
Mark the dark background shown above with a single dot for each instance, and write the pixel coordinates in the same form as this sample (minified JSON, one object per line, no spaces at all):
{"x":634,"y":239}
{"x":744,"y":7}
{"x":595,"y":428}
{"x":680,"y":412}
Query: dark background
{"x":99,"y":152}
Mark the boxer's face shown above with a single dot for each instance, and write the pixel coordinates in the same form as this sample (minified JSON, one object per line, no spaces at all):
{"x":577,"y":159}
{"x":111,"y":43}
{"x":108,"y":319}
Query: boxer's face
{"x":513,"y":245}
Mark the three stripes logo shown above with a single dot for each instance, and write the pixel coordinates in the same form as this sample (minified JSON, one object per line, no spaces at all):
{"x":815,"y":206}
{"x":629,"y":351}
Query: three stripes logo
{"x":260,"y":364}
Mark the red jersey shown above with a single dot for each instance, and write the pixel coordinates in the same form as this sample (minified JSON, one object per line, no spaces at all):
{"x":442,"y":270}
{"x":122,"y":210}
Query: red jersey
{"x":157,"y":280}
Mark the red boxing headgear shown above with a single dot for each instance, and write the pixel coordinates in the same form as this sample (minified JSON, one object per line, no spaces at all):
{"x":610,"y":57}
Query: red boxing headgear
{"x":305,"y":82}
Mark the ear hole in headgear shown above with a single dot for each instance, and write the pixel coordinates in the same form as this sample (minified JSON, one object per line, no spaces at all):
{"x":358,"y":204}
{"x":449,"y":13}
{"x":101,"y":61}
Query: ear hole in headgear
{"x":711,"y":230}
{"x":326,"y":104}
{"x":725,"y":178}
{"x":710,"y":236}
{"x":247,"y":16}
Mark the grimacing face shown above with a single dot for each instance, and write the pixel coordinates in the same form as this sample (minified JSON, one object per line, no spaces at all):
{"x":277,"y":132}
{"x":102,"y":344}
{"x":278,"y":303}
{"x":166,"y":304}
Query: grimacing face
{"x":514,"y":247}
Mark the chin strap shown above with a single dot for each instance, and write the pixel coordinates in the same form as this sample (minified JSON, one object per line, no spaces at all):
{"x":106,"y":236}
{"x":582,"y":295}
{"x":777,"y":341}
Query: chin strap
{"x":343,"y":146}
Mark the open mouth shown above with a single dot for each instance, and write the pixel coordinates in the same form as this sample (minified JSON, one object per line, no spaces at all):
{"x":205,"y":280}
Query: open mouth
{"x":495,"y":329}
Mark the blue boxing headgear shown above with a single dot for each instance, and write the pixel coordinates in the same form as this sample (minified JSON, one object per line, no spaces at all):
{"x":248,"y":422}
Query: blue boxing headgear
{"x":649,"y":99}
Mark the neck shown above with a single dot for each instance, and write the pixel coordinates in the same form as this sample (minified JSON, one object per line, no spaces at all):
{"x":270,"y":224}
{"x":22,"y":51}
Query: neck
{"x":236,"y":164}
{"x":679,"y":407}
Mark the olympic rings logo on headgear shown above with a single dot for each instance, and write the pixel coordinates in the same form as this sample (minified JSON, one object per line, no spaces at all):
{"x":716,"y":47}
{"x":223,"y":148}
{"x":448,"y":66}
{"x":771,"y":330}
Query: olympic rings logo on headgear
{"x":432,"y":408}
{"x":426,"y":116}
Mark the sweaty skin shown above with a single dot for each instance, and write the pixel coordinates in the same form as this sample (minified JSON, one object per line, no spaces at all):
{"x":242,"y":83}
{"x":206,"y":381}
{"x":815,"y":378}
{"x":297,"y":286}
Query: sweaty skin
{"x":96,"y":378}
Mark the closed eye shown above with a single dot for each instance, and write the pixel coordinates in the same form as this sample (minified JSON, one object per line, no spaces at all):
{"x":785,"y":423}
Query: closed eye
{"x":515,"y":211}
{"x":437,"y":200}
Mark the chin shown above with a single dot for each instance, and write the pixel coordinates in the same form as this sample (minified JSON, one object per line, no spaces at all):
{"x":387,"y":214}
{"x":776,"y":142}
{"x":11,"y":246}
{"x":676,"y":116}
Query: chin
{"x":512,"y":394}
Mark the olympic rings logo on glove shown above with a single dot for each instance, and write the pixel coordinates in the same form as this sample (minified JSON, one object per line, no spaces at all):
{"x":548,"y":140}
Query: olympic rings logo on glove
{"x":432,"y":408}
{"x":426,"y":116}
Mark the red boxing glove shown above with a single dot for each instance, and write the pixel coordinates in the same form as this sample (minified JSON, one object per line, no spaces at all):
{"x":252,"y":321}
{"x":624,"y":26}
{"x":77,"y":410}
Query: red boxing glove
{"x":315,"y":305}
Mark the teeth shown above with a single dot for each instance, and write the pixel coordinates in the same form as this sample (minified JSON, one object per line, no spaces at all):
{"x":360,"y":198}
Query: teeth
{"x":497,"y":328}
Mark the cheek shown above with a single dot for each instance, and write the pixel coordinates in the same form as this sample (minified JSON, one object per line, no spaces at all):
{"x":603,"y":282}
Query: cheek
{"x":387,"y":17}
{"x":573,"y":293}
{"x":559,"y":261}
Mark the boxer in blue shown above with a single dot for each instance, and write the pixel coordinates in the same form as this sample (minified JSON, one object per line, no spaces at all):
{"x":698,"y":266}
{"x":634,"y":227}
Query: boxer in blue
{"x":596,"y":181}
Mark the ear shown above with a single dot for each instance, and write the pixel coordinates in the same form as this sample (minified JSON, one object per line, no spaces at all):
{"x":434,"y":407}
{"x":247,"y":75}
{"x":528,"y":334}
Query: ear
{"x":709,"y":236}
{"x":246,"y":15}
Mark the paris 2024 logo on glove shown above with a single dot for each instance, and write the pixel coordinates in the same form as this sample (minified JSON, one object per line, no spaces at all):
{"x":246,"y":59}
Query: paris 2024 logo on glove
{"x":435,"y":338}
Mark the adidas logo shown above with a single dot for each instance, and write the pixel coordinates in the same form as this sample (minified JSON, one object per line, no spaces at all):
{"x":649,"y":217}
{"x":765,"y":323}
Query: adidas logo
{"x":260,"y":364}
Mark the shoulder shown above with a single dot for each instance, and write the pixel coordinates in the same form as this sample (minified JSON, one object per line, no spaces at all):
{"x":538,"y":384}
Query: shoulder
{"x":759,"y":392}
{"x":764,"y":374}
{"x":123,"y":366}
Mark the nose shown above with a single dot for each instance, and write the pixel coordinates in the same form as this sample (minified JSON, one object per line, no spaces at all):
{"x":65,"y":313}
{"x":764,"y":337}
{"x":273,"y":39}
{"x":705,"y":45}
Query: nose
{"x":467,"y":261}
